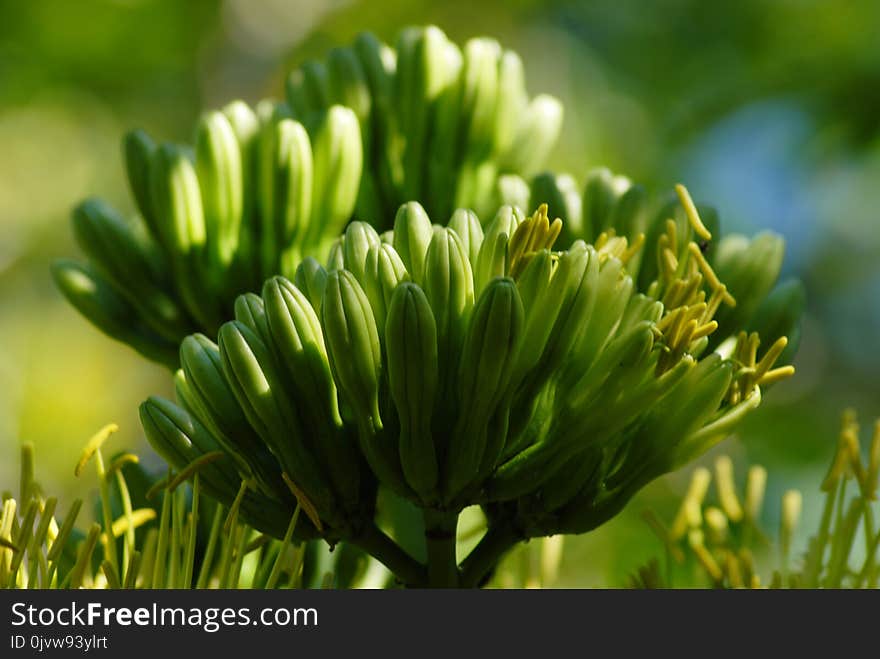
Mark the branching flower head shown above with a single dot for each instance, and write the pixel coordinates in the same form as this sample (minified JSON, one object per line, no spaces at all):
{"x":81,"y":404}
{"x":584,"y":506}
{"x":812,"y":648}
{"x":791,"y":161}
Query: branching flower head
{"x":462,"y":364}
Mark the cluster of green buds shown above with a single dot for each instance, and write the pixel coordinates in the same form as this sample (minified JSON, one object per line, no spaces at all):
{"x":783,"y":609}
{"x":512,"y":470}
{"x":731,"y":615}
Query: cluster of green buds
{"x":440,"y":123}
{"x":722,"y":539}
{"x":679,"y":236}
{"x":259,"y":191}
{"x":263,"y":187}
{"x":464,"y":365}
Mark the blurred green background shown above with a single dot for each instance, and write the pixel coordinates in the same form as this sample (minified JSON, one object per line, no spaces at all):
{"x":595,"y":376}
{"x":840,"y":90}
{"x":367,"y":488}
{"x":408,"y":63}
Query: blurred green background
{"x":770,"y":110}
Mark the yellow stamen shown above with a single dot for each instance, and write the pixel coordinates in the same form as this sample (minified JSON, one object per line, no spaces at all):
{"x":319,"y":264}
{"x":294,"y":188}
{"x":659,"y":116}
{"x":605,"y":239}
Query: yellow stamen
{"x":777,"y":375}
{"x":691,"y":210}
{"x":304,"y":502}
{"x":770,"y":356}
{"x":634,"y":248}
{"x":704,"y":330}
{"x":93,"y":445}
{"x":705,"y":268}
{"x":670,"y":263}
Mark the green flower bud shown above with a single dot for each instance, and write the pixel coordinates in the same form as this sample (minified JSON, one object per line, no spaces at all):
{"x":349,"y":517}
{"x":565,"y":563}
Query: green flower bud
{"x":336,"y":255}
{"x":250,"y":311}
{"x":125,"y":259}
{"x":311,"y":278}
{"x":297,"y":335}
{"x":487,"y":359}
{"x":467,"y":225}
{"x":347,"y":84}
{"x":356,"y":363}
{"x":338,"y":162}
{"x":479,"y":95}
{"x":601,"y":193}
{"x":512,"y":190}
{"x":749,"y":268}
{"x":139,"y":151}
{"x":537,"y":133}
{"x":560,"y":193}
{"x":177,"y":203}
{"x":180,"y":438}
{"x":177,"y":200}
{"x":252,"y":375}
{"x":352,"y":344}
{"x":384,"y":270}
{"x":779,"y":315}
{"x":449,"y":286}
{"x":412,"y":235}
{"x":221,"y":182}
{"x":98,"y":301}
{"x":492,"y":258}
{"x":212,"y":402}
{"x":512,"y":101}
{"x":286,"y":178}
{"x":359,"y":238}
{"x":411,"y":340}
{"x":307,"y":90}
{"x":173,"y":433}
{"x":423,"y":71}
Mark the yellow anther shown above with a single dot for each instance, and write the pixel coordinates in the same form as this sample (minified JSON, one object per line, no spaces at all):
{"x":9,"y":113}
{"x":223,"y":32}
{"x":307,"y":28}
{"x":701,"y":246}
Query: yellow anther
{"x":770,"y":356}
{"x":304,"y":502}
{"x":724,"y":483}
{"x":672,"y":234}
{"x":732,"y":568}
{"x":695,"y":540}
{"x":777,"y":375}
{"x":696,"y":492}
{"x":93,"y":445}
{"x":668,"y":319}
{"x":704,"y":330}
{"x":670,"y":263}
{"x":717,"y":525}
{"x":633,"y":248}
{"x":715,"y":300}
{"x":841,"y":463}
{"x":531,"y":236}
{"x":756,"y":485}
{"x":691,"y":211}
{"x":683,"y":338}
{"x":705,"y":268}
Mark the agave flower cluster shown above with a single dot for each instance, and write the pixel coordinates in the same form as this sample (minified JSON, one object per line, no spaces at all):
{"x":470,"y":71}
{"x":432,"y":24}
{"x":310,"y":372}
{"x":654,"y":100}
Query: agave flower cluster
{"x":462,"y":364}
{"x":440,"y":123}
{"x":263,"y":187}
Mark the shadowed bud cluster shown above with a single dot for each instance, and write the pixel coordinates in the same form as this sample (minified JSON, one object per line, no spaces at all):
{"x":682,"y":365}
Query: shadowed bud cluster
{"x":361,"y":132}
{"x":258,"y":191}
{"x":469,"y":364}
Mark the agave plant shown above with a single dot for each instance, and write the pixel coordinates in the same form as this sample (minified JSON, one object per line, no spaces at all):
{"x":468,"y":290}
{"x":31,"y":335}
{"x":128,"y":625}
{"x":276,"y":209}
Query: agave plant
{"x":464,"y":365}
{"x":262,"y":188}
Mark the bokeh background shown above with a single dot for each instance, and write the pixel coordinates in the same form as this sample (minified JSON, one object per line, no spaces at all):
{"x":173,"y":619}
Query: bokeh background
{"x":769,"y":109}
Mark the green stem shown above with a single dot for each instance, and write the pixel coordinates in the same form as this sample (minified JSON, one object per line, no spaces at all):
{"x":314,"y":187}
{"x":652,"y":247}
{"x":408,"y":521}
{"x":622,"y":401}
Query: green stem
{"x":499,"y":539}
{"x":440,"y":540}
{"x":376,"y":543}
